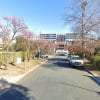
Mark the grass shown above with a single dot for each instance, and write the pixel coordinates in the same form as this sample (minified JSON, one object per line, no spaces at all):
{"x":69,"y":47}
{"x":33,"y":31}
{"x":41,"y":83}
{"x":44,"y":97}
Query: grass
{"x":91,"y":67}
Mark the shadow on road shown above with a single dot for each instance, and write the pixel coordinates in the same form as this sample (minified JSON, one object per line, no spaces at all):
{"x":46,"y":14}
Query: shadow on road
{"x":94,"y":78}
{"x":83,"y":88}
{"x":13,"y":92}
{"x":59,"y":63}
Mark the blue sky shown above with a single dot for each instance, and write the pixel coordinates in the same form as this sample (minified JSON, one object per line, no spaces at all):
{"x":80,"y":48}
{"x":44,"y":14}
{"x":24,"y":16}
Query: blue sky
{"x":44,"y":16}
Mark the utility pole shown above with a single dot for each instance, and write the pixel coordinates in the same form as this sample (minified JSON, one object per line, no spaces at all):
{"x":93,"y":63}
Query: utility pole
{"x":84,"y":3}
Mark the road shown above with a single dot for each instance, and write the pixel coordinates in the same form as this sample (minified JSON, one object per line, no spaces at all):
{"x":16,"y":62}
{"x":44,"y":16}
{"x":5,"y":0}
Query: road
{"x":55,"y":80}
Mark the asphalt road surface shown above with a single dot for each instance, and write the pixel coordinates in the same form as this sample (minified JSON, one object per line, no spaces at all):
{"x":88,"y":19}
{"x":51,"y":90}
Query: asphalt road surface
{"x":55,"y":80}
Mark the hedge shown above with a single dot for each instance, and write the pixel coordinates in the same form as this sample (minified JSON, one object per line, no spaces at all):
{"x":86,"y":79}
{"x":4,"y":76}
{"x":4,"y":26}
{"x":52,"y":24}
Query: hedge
{"x":96,"y":61}
{"x":12,"y":56}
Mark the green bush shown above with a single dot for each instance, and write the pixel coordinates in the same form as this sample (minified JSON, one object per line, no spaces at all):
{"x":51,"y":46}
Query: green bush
{"x":18,"y":54}
{"x":11,"y":56}
{"x":97,"y":51}
{"x":98,"y":64}
{"x":23,"y":55}
{"x":96,"y":61}
{"x":2,"y":57}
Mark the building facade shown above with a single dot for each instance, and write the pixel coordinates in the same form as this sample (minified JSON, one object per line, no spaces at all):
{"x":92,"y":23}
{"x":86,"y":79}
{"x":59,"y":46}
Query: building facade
{"x":49,"y":37}
{"x":71,"y":37}
{"x":67,"y":37}
{"x":62,"y":41}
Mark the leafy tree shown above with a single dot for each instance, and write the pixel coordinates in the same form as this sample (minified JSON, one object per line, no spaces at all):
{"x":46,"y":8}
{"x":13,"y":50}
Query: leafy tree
{"x":20,"y":44}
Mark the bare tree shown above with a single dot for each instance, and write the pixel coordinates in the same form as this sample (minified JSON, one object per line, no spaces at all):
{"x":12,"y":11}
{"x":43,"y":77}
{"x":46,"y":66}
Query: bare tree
{"x":84,"y":17}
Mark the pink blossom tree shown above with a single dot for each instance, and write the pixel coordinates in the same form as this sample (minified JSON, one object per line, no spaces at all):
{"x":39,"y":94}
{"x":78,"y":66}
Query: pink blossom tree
{"x":10,"y":27}
{"x":28,"y":35}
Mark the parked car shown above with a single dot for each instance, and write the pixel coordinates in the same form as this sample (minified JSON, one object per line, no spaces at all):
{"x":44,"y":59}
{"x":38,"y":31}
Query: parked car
{"x":69,"y":57}
{"x":75,"y":60}
{"x":43,"y":55}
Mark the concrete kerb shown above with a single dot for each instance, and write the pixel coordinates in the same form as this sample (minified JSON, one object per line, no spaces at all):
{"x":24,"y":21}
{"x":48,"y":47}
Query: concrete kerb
{"x":93,"y":76}
{"x":18,"y":78}
{"x":29,"y":72}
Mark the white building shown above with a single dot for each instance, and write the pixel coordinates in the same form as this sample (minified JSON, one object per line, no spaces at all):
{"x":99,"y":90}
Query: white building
{"x":68,"y":38}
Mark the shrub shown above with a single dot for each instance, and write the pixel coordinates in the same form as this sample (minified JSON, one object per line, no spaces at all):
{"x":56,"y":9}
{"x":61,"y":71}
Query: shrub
{"x":98,"y":64}
{"x":23,"y":55}
{"x":11,"y":56}
{"x":96,"y":61}
{"x":2,"y":57}
{"x":97,"y":51}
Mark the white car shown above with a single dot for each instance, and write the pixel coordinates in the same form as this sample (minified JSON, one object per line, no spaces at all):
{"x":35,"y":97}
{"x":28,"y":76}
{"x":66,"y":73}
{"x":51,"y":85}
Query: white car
{"x":43,"y":55}
{"x":75,"y":60}
{"x":68,"y":57}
